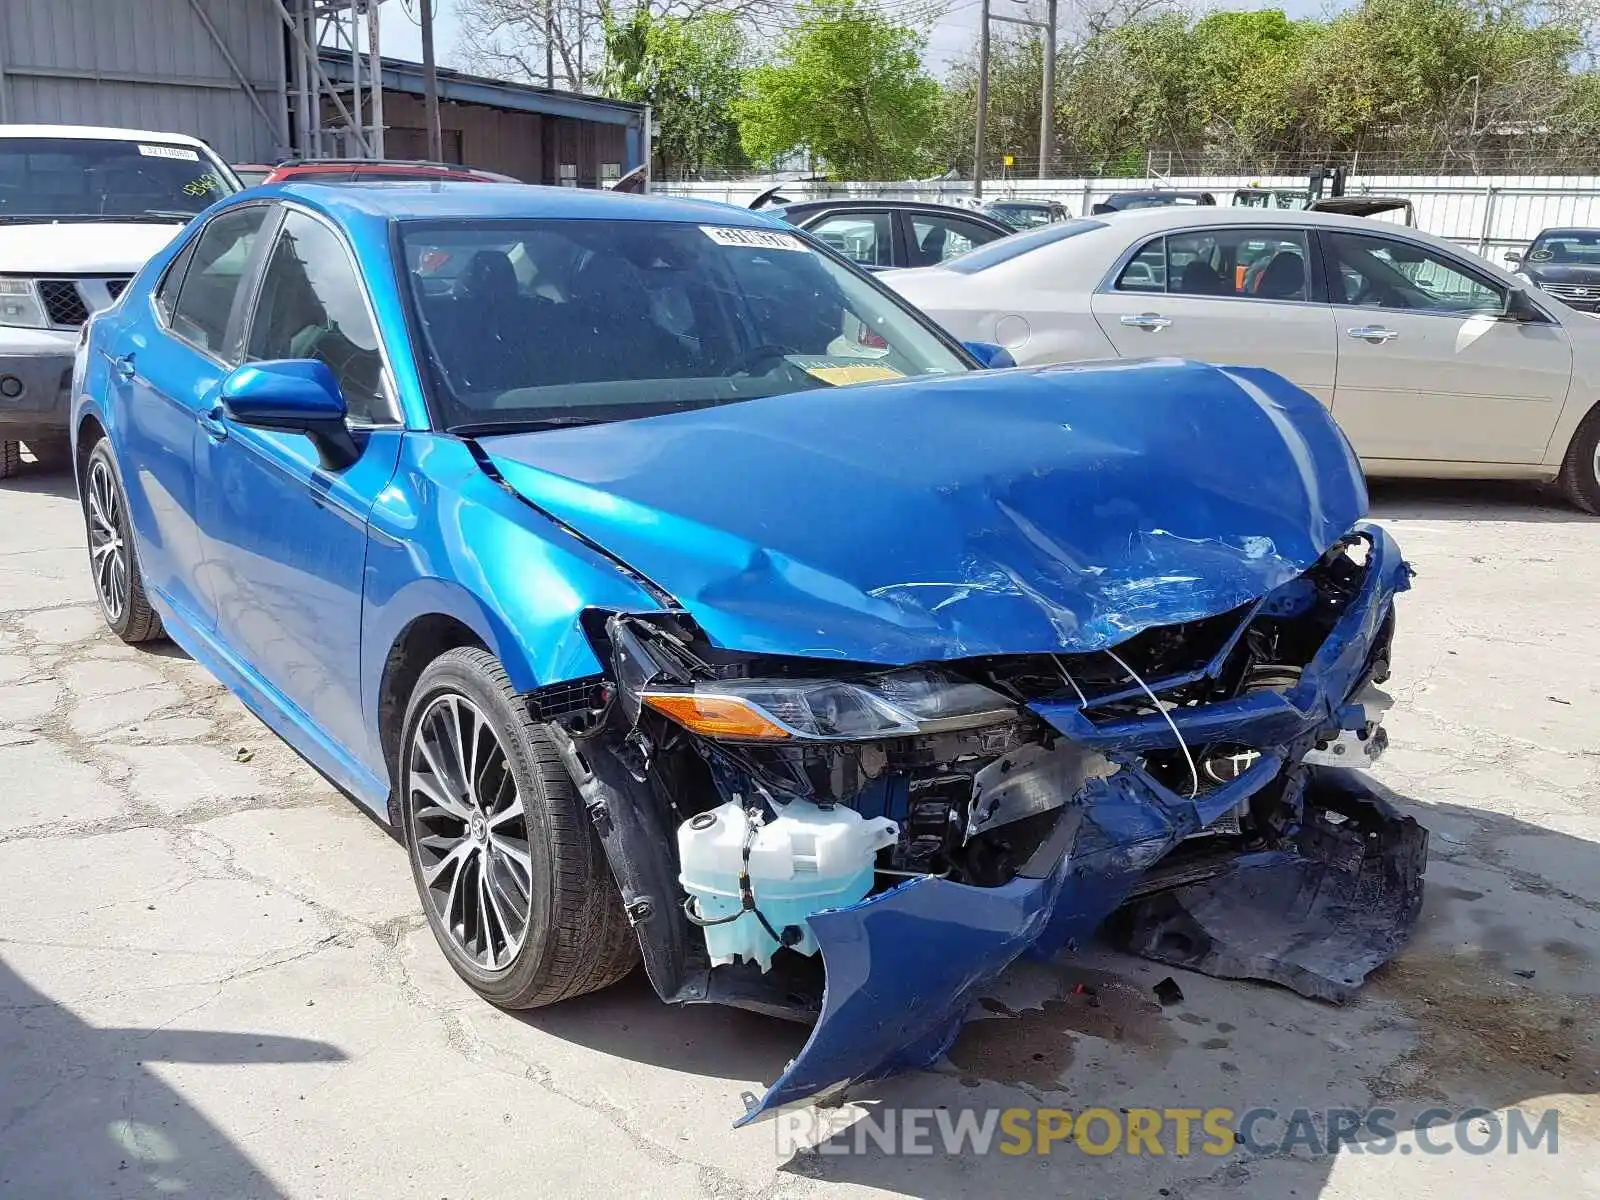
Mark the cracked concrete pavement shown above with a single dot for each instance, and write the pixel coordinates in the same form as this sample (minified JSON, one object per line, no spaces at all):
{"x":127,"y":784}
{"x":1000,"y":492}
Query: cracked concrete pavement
{"x":215,"y":981}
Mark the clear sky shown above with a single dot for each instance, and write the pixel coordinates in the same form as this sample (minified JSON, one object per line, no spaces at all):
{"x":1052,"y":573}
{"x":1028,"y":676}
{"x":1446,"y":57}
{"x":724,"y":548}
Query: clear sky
{"x":948,"y":39}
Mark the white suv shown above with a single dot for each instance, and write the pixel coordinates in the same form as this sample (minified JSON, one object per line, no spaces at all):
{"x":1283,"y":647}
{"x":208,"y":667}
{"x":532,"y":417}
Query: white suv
{"x":81,"y":210}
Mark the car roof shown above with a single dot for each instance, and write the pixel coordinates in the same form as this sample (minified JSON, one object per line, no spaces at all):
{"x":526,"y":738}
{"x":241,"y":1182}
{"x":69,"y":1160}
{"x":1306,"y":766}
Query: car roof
{"x":100,"y":133}
{"x":1175,"y":216}
{"x":877,"y":202}
{"x":451,"y":199}
{"x":1563,"y":229}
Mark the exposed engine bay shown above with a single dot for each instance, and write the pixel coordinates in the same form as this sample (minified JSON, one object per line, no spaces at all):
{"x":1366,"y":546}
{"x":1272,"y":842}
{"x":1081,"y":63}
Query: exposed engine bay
{"x":779,"y":824}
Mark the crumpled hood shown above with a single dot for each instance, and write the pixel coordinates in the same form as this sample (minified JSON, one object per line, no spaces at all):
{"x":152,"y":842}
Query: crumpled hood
{"x":82,"y":248}
{"x":1051,"y":509}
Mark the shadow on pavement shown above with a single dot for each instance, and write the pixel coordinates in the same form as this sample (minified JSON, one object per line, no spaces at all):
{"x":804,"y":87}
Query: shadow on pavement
{"x":1470,"y":500}
{"x":42,"y":481}
{"x":83,"y":1114}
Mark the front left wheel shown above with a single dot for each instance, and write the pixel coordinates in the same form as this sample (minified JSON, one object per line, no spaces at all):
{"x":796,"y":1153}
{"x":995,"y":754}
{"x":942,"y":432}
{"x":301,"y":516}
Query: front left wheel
{"x":113,"y":559}
{"x":512,"y":877}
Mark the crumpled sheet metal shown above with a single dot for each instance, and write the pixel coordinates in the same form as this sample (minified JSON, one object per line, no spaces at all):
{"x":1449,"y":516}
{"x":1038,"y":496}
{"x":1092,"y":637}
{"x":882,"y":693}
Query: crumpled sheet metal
{"x":903,"y":966}
{"x":1041,"y":510}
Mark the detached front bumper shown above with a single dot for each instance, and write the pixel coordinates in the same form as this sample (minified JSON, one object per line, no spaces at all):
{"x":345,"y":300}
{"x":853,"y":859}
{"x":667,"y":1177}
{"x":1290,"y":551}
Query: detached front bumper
{"x":903,"y":967}
{"x":35,"y":382}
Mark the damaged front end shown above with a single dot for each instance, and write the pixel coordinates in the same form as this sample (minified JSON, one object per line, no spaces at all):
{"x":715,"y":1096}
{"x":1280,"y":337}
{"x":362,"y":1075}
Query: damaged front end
{"x":865,"y":847}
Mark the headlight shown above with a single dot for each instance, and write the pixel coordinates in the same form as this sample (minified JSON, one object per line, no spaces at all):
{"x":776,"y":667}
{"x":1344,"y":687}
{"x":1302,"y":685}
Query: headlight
{"x":895,"y":704}
{"x":20,"y":305}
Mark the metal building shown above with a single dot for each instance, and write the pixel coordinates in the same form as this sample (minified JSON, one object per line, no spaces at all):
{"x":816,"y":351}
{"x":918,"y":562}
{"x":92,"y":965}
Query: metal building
{"x":264,"y":80}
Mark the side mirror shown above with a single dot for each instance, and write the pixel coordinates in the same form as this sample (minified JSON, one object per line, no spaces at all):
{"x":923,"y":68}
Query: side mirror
{"x":1513,"y":257}
{"x":1521,"y":309}
{"x":992,"y":357}
{"x":293,"y":395}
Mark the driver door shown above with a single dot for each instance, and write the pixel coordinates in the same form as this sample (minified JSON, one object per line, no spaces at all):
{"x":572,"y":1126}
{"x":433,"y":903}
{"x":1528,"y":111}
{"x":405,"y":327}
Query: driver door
{"x":1429,"y":369}
{"x":285,"y":537}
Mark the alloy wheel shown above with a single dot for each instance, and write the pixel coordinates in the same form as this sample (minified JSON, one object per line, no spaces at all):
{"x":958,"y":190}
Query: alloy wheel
{"x":108,"y":553}
{"x":470,"y":832}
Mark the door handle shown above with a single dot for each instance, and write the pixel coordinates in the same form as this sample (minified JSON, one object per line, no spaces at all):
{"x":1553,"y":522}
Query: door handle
{"x":1148,"y":321}
{"x":1376,"y":334}
{"x":212,"y":422}
{"x":122,"y":367}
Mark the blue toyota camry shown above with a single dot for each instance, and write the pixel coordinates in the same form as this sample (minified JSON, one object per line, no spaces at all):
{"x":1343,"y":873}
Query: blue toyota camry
{"x":680,"y":596}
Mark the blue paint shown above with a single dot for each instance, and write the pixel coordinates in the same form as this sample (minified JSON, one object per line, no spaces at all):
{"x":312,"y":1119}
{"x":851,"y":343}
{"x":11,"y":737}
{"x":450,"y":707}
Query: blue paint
{"x":1057,"y":509}
{"x":997,"y":512}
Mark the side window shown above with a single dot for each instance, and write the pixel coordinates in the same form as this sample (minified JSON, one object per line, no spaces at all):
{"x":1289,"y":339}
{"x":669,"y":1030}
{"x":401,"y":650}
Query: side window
{"x":1147,"y":270}
{"x":210,"y":285}
{"x":312,"y":306}
{"x":166,"y":295}
{"x":934,"y":239}
{"x":1380,"y":272}
{"x":1260,"y":264}
{"x":862,"y":237}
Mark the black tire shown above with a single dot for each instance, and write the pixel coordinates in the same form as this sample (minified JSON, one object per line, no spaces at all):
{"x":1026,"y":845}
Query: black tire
{"x":133,"y":620}
{"x":1580,"y":473}
{"x":577,"y":936}
{"x":53,"y":453}
{"x":10,"y":458}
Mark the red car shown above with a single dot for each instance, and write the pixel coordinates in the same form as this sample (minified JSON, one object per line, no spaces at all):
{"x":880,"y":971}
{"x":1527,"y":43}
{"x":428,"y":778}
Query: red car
{"x":344,"y":170}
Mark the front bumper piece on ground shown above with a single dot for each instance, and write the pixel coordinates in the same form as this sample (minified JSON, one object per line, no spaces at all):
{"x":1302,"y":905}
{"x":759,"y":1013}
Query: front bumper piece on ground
{"x":903,"y":966}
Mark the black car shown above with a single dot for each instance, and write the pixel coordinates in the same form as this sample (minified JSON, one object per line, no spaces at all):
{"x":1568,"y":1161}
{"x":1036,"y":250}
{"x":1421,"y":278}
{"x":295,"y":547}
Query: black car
{"x":1155,"y":198}
{"x":1564,"y":263}
{"x":879,"y":234}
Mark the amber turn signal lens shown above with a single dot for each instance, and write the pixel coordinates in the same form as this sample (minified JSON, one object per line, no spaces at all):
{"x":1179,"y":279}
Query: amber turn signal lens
{"x":715,"y":716}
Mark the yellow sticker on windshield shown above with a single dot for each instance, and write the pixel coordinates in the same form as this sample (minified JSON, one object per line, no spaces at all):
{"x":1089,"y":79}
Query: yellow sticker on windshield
{"x":841,"y":376}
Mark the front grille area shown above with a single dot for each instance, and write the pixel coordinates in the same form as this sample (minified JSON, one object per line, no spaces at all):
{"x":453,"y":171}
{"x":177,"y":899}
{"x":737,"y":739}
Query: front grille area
{"x":63,"y":303}
{"x":115,"y":287}
{"x":1583,"y":294}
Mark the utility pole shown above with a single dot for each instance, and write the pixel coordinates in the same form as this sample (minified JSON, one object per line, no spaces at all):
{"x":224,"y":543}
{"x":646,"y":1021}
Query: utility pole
{"x":1047,"y":109}
{"x":1046,"y":116}
{"x":375,"y":81}
{"x":549,"y":45}
{"x":983,"y":102}
{"x":430,"y":85}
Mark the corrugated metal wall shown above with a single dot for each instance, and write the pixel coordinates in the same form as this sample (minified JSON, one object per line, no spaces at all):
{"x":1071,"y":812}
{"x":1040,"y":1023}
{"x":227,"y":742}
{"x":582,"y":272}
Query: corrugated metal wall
{"x":147,"y":64}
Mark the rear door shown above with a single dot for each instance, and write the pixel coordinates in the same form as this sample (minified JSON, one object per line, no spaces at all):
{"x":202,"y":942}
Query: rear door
{"x":1428,"y":368}
{"x":168,"y":363}
{"x":931,"y":238}
{"x":1229,"y":294}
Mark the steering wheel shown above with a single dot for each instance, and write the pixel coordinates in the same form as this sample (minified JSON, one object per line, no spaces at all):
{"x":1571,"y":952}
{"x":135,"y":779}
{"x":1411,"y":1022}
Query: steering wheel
{"x":753,"y":358}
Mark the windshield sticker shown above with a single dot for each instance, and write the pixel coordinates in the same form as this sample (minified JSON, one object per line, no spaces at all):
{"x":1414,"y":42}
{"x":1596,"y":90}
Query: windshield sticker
{"x":752,"y":239}
{"x":842,"y":372}
{"x":1540,"y":256}
{"x":203,"y":185}
{"x":180,"y":153}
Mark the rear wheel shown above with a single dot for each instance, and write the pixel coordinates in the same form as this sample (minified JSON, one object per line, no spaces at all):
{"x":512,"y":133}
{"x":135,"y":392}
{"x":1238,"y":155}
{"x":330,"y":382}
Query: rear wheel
{"x":113,"y":561}
{"x":1580,"y":473}
{"x":10,"y":458}
{"x":512,"y":878}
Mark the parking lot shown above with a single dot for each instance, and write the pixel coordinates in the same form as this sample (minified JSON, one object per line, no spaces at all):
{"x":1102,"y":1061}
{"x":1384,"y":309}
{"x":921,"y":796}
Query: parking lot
{"x":218,"y":983}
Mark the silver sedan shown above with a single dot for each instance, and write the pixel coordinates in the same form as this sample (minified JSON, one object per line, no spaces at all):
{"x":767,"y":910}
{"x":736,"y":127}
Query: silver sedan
{"x":1435,"y":362}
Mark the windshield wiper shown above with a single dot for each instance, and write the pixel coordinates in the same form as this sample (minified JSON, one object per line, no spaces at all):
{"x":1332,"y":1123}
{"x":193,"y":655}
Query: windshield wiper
{"x":528,"y":425}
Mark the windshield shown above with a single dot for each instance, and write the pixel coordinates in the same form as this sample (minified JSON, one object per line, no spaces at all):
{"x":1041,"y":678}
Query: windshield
{"x":1021,"y":216}
{"x":574,"y":321}
{"x":89,"y":178}
{"x":1577,"y":247}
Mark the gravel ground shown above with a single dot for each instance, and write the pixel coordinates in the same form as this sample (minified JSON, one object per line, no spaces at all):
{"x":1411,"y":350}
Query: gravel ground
{"x":215,"y":980}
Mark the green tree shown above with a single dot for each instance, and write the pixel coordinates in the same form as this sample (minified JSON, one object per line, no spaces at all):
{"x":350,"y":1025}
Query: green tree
{"x":690,"y":71}
{"x":847,"y":86}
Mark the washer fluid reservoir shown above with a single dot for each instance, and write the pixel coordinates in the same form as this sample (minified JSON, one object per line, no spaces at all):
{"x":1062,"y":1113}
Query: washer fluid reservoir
{"x":802,"y":861}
